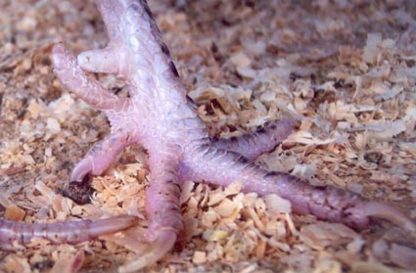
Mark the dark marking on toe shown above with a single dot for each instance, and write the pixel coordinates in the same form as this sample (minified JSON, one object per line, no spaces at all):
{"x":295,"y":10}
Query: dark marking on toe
{"x":1,"y":102}
{"x":164,"y":49}
{"x":134,"y":6}
{"x":155,"y":32}
{"x":178,"y":188}
{"x":243,"y":160}
{"x":146,"y":8}
{"x":373,"y":157}
{"x":190,"y":101}
{"x":271,"y":174}
{"x":261,"y":131}
{"x":173,"y":69}
{"x":79,"y":192}
{"x":321,"y":188}
{"x":154,"y":29}
{"x":271,"y":125}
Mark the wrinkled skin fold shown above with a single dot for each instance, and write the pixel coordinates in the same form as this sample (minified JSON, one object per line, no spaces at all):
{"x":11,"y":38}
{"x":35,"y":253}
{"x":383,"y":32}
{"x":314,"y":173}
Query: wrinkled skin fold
{"x":159,"y":116}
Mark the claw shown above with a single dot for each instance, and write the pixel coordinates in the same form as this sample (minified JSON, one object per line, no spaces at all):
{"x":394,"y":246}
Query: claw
{"x":389,"y":213}
{"x":111,"y":225}
{"x":82,"y":169}
{"x":102,"y":155}
{"x":154,"y":252}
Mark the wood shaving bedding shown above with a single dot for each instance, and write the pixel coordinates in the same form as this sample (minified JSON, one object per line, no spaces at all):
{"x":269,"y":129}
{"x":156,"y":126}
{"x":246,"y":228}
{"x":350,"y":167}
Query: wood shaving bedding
{"x":338,"y":67}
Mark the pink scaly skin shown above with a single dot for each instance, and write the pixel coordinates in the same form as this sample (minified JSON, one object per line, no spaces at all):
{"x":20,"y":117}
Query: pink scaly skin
{"x":160,"y":117}
{"x":84,"y":230}
{"x":62,"y":232}
{"x":250,"y":146}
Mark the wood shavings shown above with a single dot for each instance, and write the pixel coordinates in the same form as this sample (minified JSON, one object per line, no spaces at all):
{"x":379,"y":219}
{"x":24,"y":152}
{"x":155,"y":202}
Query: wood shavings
{"x":13,"y":212}
{"x":61,"y":107}
{"x":273,"y":243}
{"x":400,"y":255}
{"x":227,"y":208}
{"x":186,"y":192}
{"x":27,"y":24}
{"x":130,"y":239}
{"x":306,"y":138}
{"x":240,"y":59}
{"x":385,"y":130}
{"x":364,"y":267}
{"x":199,"y":257}
{"x":328,"y":266}
{"x":345,"y":71}
{"x":321,"y":235}
{"x":384,"y":92}
{"x":4,"y":201}
{"x":35,"y":109}
{"x":214,"y":235}
{"x":68,"y":263}
{"x":370,"y":50}
{"x":276,"y":204}
{"x":15,"y":264}
{"x":53,"y":126}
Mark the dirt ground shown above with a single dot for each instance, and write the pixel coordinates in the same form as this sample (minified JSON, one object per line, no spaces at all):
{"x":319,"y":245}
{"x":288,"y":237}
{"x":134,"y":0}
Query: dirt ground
{"x":345,"y":69}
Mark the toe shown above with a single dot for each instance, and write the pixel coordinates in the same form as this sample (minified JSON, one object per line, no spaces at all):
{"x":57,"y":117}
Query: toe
{"x":84,"y":167}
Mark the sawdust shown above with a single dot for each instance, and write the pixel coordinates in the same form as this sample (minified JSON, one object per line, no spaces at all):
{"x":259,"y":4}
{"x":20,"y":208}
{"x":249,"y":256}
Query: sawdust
{"x":345,"y":69}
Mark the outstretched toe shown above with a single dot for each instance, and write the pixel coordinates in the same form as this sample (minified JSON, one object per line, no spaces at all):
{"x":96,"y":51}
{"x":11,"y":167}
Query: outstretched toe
{"x":60,"y":232}
{"x":383,"y":211}
{"x":102,"y":155}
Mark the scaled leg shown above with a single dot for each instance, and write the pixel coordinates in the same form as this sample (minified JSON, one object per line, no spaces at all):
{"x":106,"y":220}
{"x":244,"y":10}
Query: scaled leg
{"x":74,"y":78}
{"x":102,"y":155}
{"x":62,"y":232}
{"x":163,"y":211}
{"x":264,"y":140}
{"x":223,"y":168}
